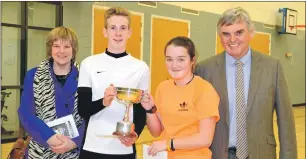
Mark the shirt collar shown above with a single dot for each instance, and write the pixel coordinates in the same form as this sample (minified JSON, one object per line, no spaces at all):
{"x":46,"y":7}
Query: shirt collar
{"x":245,"y":59}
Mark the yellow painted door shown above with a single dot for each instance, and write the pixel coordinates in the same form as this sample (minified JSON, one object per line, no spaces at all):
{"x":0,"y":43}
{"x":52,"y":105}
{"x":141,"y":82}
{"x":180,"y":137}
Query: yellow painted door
{"x":260,"y":43}
{"x":100,"y":42}
{"x":163,"y":30}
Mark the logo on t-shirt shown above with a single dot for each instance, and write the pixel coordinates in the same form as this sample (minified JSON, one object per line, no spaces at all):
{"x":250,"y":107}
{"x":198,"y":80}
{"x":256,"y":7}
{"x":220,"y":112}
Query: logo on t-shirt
{"x":183,"y":106}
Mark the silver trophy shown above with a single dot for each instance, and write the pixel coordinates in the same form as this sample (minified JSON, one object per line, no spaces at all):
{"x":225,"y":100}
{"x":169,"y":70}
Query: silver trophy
{"x":127,"y":96}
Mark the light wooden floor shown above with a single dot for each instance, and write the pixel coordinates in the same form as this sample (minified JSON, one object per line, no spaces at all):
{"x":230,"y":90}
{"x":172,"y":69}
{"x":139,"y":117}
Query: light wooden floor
{"x":146,"y":138}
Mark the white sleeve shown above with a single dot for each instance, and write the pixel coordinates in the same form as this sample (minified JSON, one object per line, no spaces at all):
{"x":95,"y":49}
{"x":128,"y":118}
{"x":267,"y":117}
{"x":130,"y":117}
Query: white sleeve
{"x":144,"y":83}
{"x":84,"y":75}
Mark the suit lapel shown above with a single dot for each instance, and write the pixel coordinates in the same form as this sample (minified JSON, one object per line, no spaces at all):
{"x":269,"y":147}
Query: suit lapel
{"x":221,"y":84}
{"x":255,"y":77}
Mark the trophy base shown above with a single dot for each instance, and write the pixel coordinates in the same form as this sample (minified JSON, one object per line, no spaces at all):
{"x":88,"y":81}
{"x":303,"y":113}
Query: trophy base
{"x":125,"y":128}
{"x":130,"y":135}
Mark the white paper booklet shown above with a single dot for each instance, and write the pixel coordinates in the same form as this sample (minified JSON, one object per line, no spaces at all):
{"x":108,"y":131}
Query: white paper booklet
{"x":65,"y":126}
{"x":159,"y":155}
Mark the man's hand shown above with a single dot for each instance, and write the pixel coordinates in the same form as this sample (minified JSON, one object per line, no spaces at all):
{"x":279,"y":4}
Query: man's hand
{"x":109,"y":94}
{"x":67,"y":145}
{"x":128,"y":141}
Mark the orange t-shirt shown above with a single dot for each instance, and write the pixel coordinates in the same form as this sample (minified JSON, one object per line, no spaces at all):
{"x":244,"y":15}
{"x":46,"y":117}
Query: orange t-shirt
{"x":181,"y":108}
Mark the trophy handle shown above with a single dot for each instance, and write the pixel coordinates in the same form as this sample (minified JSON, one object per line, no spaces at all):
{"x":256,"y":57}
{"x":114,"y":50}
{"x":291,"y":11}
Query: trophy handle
{"x":127,"y":112}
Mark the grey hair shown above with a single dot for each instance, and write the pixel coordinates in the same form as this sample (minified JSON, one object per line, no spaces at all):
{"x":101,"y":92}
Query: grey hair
{"x":234,"y":15}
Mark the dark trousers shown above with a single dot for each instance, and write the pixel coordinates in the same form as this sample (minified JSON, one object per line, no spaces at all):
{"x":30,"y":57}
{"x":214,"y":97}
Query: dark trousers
{"x":92,"y":155}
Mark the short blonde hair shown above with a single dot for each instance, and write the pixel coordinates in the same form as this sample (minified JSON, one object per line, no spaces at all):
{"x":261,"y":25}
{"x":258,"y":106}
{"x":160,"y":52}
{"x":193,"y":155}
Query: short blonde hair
{"x":118,"y":11}
{"x":65,"y":34}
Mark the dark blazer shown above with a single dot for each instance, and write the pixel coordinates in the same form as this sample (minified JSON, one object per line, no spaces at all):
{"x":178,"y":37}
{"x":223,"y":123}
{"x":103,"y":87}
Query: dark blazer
{"x":268,"y":92}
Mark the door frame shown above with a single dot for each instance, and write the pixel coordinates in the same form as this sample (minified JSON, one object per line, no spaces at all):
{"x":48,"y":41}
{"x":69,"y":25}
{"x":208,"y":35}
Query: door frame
{"x":94,"y":6}
{"x":255,"y":33}
{"x":151,"y":34}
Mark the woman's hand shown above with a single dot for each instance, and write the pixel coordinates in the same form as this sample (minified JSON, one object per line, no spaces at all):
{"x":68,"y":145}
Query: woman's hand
{"x":54,"y":141}
{"x":109,"y":94}
{"x":147,"y":101}
{"x":156,"y":147}
{"x":67,"y":145}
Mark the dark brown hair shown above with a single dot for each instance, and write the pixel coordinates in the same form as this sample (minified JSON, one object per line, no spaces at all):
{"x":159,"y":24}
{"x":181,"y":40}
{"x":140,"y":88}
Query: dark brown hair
{"x":185,"y":42}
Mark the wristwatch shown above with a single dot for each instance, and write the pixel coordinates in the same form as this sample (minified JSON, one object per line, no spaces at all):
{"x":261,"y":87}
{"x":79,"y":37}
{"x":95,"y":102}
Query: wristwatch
{"x":152,"y":110}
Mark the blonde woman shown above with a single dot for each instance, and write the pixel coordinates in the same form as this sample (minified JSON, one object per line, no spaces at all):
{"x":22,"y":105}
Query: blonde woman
{"x":50,"y":92}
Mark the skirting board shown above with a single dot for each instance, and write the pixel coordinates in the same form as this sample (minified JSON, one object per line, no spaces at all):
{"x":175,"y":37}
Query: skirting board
{"x":299,"y":105}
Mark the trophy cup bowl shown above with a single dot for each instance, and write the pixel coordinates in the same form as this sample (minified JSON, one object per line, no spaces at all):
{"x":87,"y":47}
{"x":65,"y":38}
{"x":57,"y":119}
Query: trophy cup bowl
{"x":127,"y":96}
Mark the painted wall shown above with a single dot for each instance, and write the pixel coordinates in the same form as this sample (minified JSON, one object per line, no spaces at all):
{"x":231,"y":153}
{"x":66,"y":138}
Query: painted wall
{"x":203,"y":32}
{"x":265,"y":12}
{"x":78,"y":16}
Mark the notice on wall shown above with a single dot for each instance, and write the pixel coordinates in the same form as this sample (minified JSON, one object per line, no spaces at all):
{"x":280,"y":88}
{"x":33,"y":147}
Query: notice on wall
{"x":9,"y":55}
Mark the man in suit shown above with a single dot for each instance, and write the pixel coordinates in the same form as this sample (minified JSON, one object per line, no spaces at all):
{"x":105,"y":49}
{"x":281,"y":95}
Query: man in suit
{"x":251,"y":86}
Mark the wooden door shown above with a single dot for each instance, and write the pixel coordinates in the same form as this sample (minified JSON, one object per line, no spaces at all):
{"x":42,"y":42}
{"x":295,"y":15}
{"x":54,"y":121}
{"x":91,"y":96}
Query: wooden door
{"x":260,"y":42}
{"x":163,"y":30}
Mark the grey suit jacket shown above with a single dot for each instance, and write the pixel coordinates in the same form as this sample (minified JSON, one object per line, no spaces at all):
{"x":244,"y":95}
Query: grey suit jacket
{"x":267,"y":92}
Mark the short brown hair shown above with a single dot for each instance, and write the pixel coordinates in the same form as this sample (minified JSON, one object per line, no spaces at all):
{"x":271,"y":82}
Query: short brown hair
{"x":118,"y":11}
{"x":62,"y":33}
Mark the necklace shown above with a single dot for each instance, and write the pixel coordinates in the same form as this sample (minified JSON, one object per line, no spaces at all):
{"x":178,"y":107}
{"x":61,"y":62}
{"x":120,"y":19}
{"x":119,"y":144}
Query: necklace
{"x":188,"y":81}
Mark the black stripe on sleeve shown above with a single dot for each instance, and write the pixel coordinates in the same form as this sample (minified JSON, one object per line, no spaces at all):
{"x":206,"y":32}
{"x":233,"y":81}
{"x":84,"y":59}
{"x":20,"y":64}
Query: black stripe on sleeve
{"x":86,"y":106}
{"x":140,"y":118}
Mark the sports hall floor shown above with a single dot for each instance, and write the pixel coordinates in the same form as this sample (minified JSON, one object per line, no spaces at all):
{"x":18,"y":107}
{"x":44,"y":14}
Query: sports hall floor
{"x":146,"y":138}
